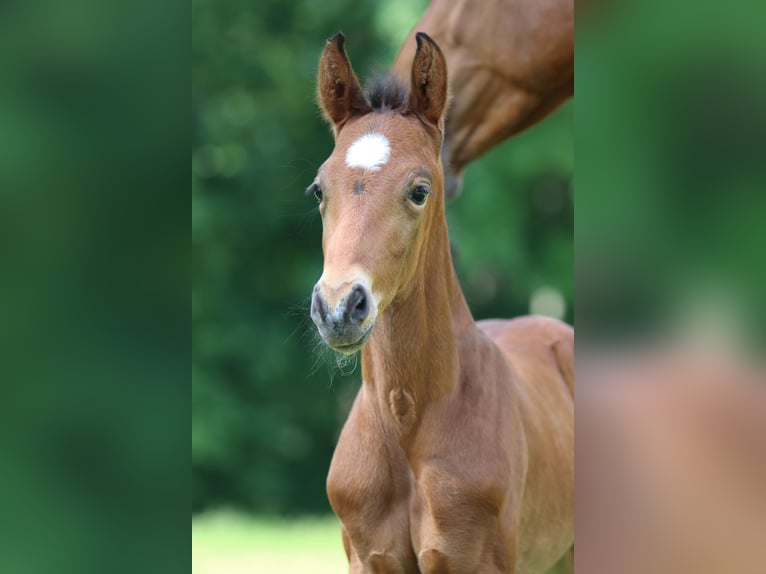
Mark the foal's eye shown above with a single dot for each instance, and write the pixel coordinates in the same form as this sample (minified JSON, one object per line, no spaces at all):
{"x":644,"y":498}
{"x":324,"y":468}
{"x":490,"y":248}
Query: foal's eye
{"x":419,"y":194}
{"x":317,"y":191}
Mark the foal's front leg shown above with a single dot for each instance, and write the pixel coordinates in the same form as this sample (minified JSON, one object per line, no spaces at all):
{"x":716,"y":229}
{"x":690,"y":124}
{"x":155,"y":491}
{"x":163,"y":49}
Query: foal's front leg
{"x":368,"y":489}
{"x":458,"y":527}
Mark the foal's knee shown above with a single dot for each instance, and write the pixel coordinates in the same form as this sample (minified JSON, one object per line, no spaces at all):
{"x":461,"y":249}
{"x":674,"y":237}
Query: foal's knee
{"x":434,"y":562}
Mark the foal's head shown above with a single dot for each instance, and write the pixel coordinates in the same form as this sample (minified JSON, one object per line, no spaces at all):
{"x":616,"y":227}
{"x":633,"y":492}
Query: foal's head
{"x":380,"y":190}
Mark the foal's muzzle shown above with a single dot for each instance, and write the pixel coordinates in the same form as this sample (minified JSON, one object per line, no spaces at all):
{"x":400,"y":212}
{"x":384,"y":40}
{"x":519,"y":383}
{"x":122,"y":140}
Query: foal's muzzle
{"x":342,"y":315}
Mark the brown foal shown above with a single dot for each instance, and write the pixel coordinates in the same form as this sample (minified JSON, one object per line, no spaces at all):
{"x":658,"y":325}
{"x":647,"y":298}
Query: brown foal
{"x":511,"y":63}
{"x":457,"y":455}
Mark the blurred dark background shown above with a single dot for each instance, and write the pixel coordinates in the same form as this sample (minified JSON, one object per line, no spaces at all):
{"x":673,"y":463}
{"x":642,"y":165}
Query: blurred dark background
{"x":267,"y":403}
{"x":671,"y":174}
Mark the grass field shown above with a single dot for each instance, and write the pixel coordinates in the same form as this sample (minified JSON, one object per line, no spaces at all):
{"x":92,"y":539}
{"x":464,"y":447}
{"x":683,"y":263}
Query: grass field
{"x":230,"y":543}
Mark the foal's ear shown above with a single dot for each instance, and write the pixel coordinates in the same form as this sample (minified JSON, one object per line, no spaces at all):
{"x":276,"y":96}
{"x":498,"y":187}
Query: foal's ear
{"x":428,"y":89}
{"x":340,"y":95}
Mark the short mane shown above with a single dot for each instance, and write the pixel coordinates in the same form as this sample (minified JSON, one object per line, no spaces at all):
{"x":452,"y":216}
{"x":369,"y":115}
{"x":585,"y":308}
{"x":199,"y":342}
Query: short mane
{"x":387,"y":93}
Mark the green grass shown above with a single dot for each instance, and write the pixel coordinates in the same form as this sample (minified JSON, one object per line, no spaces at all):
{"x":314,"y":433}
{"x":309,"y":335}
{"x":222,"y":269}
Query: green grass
{"x":230,"y":543}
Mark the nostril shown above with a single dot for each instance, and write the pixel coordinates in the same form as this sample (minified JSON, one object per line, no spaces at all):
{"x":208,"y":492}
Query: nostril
{"x":318,"y":308}
{"x":358,"y":304}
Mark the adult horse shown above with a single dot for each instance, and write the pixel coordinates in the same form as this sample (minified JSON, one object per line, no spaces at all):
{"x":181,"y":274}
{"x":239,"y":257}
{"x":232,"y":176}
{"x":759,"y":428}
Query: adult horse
{"x":511,"y":63}
{"x":457,"y":455}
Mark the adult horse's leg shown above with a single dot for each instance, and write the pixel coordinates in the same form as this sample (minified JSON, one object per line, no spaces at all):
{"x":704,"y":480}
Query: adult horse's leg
{"x":511,"y":64}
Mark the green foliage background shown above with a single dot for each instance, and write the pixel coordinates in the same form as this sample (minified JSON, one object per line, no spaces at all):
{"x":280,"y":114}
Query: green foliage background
{"x":267,"y":401}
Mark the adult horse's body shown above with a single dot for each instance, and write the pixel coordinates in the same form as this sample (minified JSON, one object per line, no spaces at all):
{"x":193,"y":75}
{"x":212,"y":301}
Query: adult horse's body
{"x":511,"y":63}
{"x":457,"y":455}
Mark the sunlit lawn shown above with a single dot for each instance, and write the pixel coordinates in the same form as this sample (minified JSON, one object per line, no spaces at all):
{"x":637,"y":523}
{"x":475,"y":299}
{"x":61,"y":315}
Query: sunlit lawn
{"x":229,"y":543}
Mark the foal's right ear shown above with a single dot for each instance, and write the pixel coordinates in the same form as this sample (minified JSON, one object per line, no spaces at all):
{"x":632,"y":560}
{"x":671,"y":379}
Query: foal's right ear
{"x":428,"y":81}
{"x":340,"y":95}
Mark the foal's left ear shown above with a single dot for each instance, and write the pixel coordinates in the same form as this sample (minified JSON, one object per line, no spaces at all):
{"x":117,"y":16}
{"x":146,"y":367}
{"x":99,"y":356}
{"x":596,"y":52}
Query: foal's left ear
{"x":340,"y":95}
{"x":428,"y":89}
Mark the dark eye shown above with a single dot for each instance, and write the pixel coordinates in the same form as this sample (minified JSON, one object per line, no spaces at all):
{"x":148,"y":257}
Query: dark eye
{"x":419,"y":194}
{"x":316,"y":190}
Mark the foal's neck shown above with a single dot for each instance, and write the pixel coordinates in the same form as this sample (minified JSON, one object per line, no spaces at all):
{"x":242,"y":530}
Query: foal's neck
{"x":412,"y":357}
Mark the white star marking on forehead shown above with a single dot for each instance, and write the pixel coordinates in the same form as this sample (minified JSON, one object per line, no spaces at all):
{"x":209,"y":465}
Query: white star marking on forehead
{"x":370,"y":151}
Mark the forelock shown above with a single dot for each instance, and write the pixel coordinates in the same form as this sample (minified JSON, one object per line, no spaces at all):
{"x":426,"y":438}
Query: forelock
{"x":387,"y":93}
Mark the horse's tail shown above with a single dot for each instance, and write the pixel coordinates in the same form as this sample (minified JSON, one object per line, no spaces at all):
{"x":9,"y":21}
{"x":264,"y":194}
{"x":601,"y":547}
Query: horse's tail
{"x":563,"y":350}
